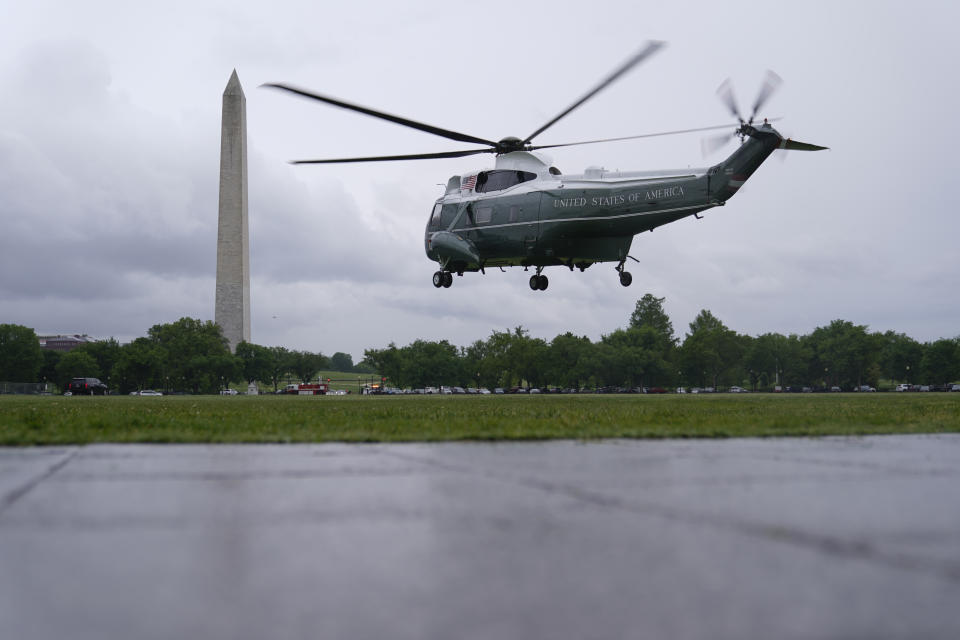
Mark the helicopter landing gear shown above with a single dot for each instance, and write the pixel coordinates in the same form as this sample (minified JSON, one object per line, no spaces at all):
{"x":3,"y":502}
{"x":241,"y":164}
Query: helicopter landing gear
{"x":625,"y":278}
{"x":539,"y":282}
{"x":442,"y":279}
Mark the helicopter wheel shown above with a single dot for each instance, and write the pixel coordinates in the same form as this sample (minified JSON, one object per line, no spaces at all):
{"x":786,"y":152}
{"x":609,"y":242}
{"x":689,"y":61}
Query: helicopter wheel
{"x":438,"y":279}
{"x":625,"y":278}
{"x":539,"y":283}
{"x":447,"y":279}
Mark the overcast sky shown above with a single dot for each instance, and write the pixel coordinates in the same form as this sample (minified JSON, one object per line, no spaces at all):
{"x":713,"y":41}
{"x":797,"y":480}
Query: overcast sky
{"x":109,"y":161}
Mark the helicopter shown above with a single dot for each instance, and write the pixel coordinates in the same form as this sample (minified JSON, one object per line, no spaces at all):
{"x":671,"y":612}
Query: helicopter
{"x":526,"y":212}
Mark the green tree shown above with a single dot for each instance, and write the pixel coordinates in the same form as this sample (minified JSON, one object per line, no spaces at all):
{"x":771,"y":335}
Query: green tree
{"x":341,"y":361}
{"x":255,"y":361}
{"x":711,"y":352}
{"x":529,"y":357}
{"x":498,"y":368}
{"x":634,"y":357}
{"x":225,"y":367}
{"x":706,"y":321}
{"x":649,"y":313}
{"x":139,"y":366}
{"x":426,"y":363}
{"x":843,"y":354}
{"x":774,"y":359}
{"x":940,"y":364}
{"x":20,"y":355}
{"x":48,"y":371}
{"x":473,"y":359}
{"x":305,"y":364}
{"x":568,"y":360}
{"x":386,"y":363}
{"x":106,"y":353}
{"x":76,"y":364}
{"x":363,"y":367}
{"x":280,"y":364}
{"x":192,"y":351}
{"x":899,"y":355}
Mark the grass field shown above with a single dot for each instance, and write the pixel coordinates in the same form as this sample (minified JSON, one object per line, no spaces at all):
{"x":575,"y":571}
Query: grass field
{"x":33,"y":420}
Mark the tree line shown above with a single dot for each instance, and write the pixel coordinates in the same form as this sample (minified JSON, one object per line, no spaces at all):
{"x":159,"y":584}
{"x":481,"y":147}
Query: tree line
{"x":192,"y":355}
{"x":188,"y":355}
{"x":646,"y":353}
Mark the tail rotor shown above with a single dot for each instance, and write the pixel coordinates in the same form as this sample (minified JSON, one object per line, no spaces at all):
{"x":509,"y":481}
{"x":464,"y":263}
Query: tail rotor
{"x":725,"y":94}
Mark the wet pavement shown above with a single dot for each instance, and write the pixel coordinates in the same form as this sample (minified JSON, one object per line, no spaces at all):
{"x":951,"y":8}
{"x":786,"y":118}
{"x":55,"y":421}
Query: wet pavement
{"x":786,"y":538}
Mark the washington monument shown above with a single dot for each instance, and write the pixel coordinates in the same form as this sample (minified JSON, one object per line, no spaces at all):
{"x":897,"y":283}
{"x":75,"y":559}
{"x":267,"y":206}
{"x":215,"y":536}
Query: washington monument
{"x":232,"y":312}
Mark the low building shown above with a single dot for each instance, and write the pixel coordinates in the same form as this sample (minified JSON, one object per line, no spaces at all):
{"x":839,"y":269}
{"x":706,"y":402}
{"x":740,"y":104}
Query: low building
{"x":64,"y":343}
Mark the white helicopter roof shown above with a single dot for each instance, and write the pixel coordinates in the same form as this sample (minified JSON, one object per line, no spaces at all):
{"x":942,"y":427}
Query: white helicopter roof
{"x":541,"y":166}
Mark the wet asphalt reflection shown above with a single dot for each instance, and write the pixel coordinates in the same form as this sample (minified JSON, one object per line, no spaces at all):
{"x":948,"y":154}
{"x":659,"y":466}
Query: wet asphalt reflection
{"x":785,"y":538}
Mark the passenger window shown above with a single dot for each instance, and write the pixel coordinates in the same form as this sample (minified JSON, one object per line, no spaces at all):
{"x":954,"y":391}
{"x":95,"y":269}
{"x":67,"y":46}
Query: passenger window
{"x":514,"y":213}
{"x":483,"y":215}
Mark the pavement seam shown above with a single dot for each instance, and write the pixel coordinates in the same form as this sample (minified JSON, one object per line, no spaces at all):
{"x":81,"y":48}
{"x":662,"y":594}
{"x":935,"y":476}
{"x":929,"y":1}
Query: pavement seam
{"x":9,"y":499}
{"x":826,"y":544}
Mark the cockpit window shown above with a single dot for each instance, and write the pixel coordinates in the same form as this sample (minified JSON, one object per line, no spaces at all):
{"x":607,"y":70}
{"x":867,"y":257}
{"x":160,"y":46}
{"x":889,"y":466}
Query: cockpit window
{"x":435,"y":217}
{"x":501,"y":179}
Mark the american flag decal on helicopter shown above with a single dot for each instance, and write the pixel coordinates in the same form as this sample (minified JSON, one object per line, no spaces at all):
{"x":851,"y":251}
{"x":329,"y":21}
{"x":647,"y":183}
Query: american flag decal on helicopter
{"x":468,"y":183}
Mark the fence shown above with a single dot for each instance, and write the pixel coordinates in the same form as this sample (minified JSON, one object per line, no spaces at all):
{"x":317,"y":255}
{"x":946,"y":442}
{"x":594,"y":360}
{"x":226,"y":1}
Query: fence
{"x":23,"y":388}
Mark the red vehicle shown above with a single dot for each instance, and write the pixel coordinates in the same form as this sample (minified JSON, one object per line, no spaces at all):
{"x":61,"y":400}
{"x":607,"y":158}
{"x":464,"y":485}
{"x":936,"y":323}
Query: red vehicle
{"x":308,"y":389}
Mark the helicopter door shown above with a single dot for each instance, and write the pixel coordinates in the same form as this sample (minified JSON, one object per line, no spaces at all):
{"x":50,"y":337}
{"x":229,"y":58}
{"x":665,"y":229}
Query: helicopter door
{"x":525,"y":210}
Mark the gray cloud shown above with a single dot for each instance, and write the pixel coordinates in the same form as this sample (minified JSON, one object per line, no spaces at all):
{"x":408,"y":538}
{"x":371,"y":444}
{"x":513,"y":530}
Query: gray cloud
{"x":109,"y":126}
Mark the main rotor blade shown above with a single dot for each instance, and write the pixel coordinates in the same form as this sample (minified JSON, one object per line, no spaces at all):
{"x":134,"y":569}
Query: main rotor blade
{"x":770,"y":84}
{"x":725,"y":93}
{"x":437,"y":131}
{"x":414,"y":156}
{"x":651,"y":48}
{"x":642,"y":135}
{"x":709,"y":145}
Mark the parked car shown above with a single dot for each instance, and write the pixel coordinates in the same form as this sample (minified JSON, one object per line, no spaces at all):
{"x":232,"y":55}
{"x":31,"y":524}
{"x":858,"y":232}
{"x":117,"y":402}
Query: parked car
{"x":904,"y":387}
{"x":87,"y":387}
{"x":736,"y":389}
{"x":229,"y":392}
{"x":955,"y":387}
{"x":148,"y":392}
